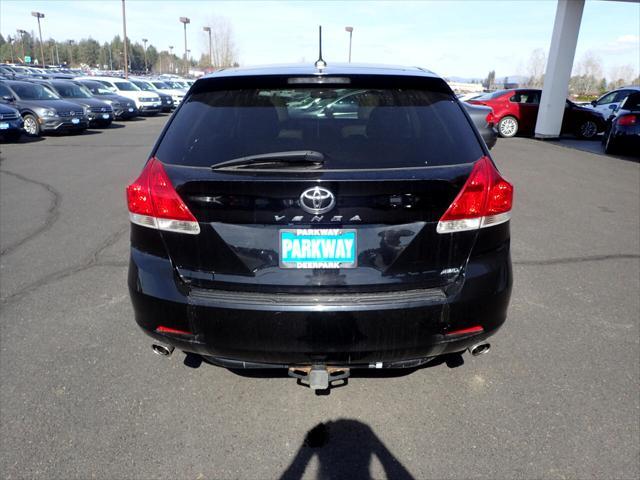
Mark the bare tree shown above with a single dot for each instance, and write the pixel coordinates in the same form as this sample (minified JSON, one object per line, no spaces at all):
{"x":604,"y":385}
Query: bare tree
{"x":621,"y":75}
{"x":536,"y":67}
{"x":223,"y":48}
{"x":588,"y":74}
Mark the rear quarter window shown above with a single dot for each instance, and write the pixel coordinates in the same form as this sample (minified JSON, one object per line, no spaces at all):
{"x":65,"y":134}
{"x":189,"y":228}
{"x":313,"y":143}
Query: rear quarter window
{"x":355,"y":128}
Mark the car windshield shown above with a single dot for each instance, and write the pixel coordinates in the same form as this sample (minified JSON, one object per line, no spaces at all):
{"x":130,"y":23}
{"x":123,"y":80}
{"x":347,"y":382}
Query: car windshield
{"x":353,"y":128}
{"x":26,"y":91}
{"x":492,"y":95}
{"x":143,"y":86}
{"x":126,"y":86}
{"x":97,"y":88}
{"x":71,"y":91}
{"x":632,"y":102}
{"x":177,"y":85}
{"x":161,"y":85}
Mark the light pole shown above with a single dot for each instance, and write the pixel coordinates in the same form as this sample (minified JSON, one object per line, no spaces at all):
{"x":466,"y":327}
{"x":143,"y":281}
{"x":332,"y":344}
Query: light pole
{"x":57,"y":54}
{"x":53,"y":58}
{"x":171,"y":59}
{"x":22,"y":33}
{"x":39,"y":15}
{"x":124,"y":29}
{"x":110,"y":58}
{"x":71,"y":42}
{"x":144,"y":41}
{"x":10,"y":40}
{"x":350,"y":30}
{"x":208,"y":30}
{"x":184,"y":21}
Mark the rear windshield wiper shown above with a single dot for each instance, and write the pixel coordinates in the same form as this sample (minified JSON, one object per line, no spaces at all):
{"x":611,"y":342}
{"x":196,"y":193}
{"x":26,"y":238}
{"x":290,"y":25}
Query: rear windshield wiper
{"x":274,"y":158}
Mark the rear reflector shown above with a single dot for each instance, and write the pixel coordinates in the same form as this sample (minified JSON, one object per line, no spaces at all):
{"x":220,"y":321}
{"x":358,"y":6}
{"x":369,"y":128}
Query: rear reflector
{"x":485,"y":200}
{"x":154,"y":203}
{"x":626,"y":120}
{"x":466,"y":331}
{"x":174,"y":331}
{"x":491,"y":119}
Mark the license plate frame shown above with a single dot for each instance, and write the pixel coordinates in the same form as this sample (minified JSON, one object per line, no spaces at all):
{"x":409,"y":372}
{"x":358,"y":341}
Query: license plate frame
{"x":309,"y":248}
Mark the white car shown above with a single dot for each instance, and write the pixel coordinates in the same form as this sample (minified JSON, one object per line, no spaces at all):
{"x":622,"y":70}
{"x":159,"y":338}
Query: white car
{"x":607,"y":104}
{"x":148,"y":103}
{"x":176,"y":93}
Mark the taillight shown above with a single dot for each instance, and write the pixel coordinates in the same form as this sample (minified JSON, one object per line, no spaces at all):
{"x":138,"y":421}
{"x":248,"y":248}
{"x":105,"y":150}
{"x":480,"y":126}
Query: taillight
{"x":485,"y":200}
{"x":491,"y":119}
{"x":626,"y":120}
{"x":154,"y":203}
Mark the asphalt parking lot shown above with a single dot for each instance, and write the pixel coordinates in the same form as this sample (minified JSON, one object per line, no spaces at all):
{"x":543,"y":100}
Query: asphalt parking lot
{"x":83,"y":396}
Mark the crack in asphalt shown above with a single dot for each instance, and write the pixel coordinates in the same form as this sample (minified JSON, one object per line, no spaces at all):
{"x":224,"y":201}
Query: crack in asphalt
{"x":52,"y":213}
{"x":568,"y":260}
{"x":90,"y":261}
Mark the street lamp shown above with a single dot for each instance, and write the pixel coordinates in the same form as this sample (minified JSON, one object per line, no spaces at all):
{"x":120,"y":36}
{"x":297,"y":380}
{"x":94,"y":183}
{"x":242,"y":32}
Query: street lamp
{"x":71,"y":42}
{"x":10,"y":40}
{"x":208,"y":30}
{"x":184,"y":21}
{"x":22,"y":34}
{"x":350,"y":30}
{"x":110,"y":57}
{"x":124,"y":28}
{"x":171,"y":59}
{"x":39,"y":15}
{"x":144,"y":40}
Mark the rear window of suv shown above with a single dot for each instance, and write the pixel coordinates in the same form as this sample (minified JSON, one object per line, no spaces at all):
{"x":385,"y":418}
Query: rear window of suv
{"x":354,"y":128}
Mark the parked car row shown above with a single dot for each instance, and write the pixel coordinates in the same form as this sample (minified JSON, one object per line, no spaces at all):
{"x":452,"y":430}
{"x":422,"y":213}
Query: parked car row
{"x":615,"y":113}
{"x":516,"y":111}
{"x":42,"y":104}
{"x":623,"y":130}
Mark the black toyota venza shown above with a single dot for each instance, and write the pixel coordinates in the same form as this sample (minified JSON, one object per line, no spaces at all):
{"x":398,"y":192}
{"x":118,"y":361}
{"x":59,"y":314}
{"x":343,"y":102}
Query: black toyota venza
{"x":262,"y":238}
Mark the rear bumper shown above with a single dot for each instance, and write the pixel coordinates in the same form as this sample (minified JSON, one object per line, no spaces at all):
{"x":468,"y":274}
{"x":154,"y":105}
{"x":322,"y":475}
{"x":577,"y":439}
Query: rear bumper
{"x":345,"y":329}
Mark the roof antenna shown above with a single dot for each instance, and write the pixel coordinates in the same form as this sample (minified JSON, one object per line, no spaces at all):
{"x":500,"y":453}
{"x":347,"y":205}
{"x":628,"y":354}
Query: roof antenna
{"x":320,"y":63}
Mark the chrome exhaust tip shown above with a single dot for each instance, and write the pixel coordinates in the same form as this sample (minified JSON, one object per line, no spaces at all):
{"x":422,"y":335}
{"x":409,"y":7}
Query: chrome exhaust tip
{"x":479,"y":349}
{"x":164,"y":350}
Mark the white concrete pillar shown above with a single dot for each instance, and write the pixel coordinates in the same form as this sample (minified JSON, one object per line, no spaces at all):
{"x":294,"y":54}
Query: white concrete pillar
{"x":559,"y":64}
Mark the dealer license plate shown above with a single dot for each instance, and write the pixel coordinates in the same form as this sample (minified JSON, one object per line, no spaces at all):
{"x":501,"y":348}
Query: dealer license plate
{"x":318,"y":248}
{"x":75,"y":121}
{"x":4,"y":125}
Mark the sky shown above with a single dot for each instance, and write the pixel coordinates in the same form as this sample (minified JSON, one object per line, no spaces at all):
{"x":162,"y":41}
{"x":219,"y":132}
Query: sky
{"x":452,"y":38}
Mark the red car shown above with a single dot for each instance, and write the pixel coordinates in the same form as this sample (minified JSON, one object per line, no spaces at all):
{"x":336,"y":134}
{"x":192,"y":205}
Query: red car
{"x":516,"y":111}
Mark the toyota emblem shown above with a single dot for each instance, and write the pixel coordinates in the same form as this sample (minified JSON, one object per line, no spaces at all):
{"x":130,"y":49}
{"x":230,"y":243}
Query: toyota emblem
{"x":317,"y":200}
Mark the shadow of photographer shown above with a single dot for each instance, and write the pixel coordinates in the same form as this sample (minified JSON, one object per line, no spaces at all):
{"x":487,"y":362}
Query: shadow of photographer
{"x":344,"y":449}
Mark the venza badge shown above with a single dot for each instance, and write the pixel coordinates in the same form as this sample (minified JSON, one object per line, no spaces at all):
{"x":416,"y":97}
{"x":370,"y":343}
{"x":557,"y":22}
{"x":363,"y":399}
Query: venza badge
{"x":317,"y":200}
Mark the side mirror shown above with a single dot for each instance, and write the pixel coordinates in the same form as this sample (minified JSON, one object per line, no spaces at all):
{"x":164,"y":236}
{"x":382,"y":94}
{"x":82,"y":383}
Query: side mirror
{"x":613,"y":106}
{"x":8,"y":98}
{"x":594,"y":103}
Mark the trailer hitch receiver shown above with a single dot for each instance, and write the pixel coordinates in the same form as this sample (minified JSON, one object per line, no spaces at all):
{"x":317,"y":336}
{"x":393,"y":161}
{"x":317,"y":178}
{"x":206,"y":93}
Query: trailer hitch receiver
{"x":319,"y":377}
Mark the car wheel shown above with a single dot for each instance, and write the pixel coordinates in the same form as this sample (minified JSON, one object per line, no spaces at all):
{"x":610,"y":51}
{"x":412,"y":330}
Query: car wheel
{"x":588,"y":129}
{"x":508,"y":127}
{"x":31,"y":125}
